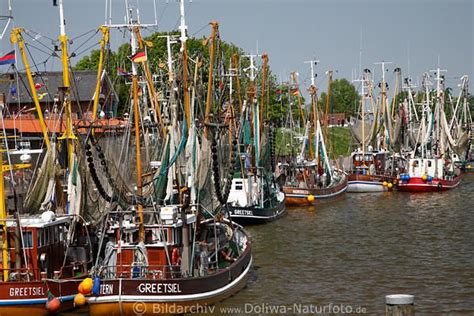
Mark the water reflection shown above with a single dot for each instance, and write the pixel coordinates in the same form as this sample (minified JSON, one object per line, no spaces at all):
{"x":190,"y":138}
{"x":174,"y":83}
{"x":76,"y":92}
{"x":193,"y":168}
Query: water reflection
{"x":357,"y":250}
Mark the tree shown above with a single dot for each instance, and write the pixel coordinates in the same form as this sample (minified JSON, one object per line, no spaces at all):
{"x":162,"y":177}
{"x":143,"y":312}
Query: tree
{"x":344,"y":98}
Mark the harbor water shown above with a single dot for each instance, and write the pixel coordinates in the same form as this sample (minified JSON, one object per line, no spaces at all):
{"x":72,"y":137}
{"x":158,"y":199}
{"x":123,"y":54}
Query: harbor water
{"x":353,"y":252}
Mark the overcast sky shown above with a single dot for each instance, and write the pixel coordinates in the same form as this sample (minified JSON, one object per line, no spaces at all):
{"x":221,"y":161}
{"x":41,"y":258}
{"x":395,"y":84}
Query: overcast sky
{"x":405,"y":32}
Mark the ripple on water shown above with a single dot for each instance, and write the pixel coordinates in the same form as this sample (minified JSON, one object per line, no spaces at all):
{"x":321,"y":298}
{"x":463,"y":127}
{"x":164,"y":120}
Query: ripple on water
{"x":357,"y":250}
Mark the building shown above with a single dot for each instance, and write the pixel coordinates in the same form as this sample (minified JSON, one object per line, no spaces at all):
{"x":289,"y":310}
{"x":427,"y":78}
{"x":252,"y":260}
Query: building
{"x":47,"y":84}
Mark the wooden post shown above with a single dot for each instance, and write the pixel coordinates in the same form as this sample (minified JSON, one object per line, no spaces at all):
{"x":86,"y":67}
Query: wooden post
{"x":400,"y":305}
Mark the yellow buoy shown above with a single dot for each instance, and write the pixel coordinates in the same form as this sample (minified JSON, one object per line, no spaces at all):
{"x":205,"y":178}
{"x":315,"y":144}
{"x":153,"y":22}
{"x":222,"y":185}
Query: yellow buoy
{"x":385,"y":183}
{"x":310,"y":198}
{"x":85,"y":287}
{"x":424,"y":177}
{"x":389,"y":185}
{"x":79,"y":299}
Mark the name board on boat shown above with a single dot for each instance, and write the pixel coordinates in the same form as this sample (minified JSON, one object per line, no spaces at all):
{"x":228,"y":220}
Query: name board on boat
{"x":27,"y":291}
{"x":300,"y":192}
{"x":158,"y":288}
{"x":107,"y":289}
{"x":242,"y":212}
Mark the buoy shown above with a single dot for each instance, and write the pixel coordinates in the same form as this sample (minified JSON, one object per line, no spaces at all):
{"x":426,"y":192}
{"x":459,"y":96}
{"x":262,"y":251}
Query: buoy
{"x":424,"y":177}
{"x":310,"y":198}
{"x":389,"y":185}
{"x":429,"y":179}
{"x":385,"y":183}
{"x":79,"y":299}
{"x":87,"y":285}
{"x":53,"y":305}
{"x":96,"y":287}
{"x":80,"y":288}
{"x":395,"y":181}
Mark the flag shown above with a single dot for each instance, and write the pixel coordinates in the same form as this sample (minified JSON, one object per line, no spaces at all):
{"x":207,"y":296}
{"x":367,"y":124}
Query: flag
{"x":123,"y":73}
{"x":8,"y":59}
{"x":139,"y":57}
{"x":295,"y":92}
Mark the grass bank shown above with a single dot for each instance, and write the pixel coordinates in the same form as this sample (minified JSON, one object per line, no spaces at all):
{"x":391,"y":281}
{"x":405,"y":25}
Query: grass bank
{"x":289,"y":142}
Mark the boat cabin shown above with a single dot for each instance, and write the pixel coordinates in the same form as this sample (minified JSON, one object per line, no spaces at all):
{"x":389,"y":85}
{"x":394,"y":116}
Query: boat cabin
{"x":39,"y":251}
{"x":370,"y":162}
{"x":125,"y":257}
{"x":435,"y":168}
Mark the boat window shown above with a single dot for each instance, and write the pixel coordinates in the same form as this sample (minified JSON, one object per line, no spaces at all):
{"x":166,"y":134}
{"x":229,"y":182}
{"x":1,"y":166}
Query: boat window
{"x":40,"y":235}
{"x":429,"y":163}
{"x":28,"y":239}
{"x":238,"y":187}
{"x":46,"y":236}
{"x":160,"y":235}
{"x":61,"y":233}
{"x":56,"y":234}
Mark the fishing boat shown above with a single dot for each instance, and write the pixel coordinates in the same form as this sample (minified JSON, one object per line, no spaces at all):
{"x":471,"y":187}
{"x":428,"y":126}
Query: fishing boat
{"x":311,"y":179}
{"x":366,"y":177}
{"x":158,"y":252}
{"x":434,"y":164}
{"x":254,"y":196}
{"x":46,"y":249}
{"x":374,"y":164}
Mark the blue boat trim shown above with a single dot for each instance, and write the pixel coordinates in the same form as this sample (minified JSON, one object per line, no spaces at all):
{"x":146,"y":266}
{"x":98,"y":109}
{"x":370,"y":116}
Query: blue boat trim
{"x":33,"y":301}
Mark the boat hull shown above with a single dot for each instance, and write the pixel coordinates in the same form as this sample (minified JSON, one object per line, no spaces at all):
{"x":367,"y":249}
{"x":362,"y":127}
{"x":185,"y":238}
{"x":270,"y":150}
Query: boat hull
{"x":296,"y":196}
{"x":256,"y":215}
{"x":359,"y":183}
{"x":417,"y":184}
{"x":30,"y":298}
{"x":170,"y":296}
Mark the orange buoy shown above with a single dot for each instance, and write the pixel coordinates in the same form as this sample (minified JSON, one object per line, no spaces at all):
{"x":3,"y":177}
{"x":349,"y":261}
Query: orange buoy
{"x":53,"y":305}
{"x":79,"y":299}
{"x":85,"y":287}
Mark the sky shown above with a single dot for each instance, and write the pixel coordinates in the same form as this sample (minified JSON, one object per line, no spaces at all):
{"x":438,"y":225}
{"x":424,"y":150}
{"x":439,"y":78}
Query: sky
{"x":343,"y":35}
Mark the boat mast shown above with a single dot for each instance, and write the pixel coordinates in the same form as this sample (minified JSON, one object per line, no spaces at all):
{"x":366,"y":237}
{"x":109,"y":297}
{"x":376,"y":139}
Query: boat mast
{"x":362,"y":81}
{"x":384,"y":93}
{"x":17,"y":38}
{"x":294,"y":78}
{"x":3,"y":217}
{"x":252,"y":91}
{"x":68,"y":134}
{"x":212,"y":52}
{"x":136,"y":117}
{"x":262,"y":99}
{"x":235,"y":66}
{"x":103,"y":43}
{"x":312,"y":92}
{"x":184,"y":51}
{"x":438,"y":108}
